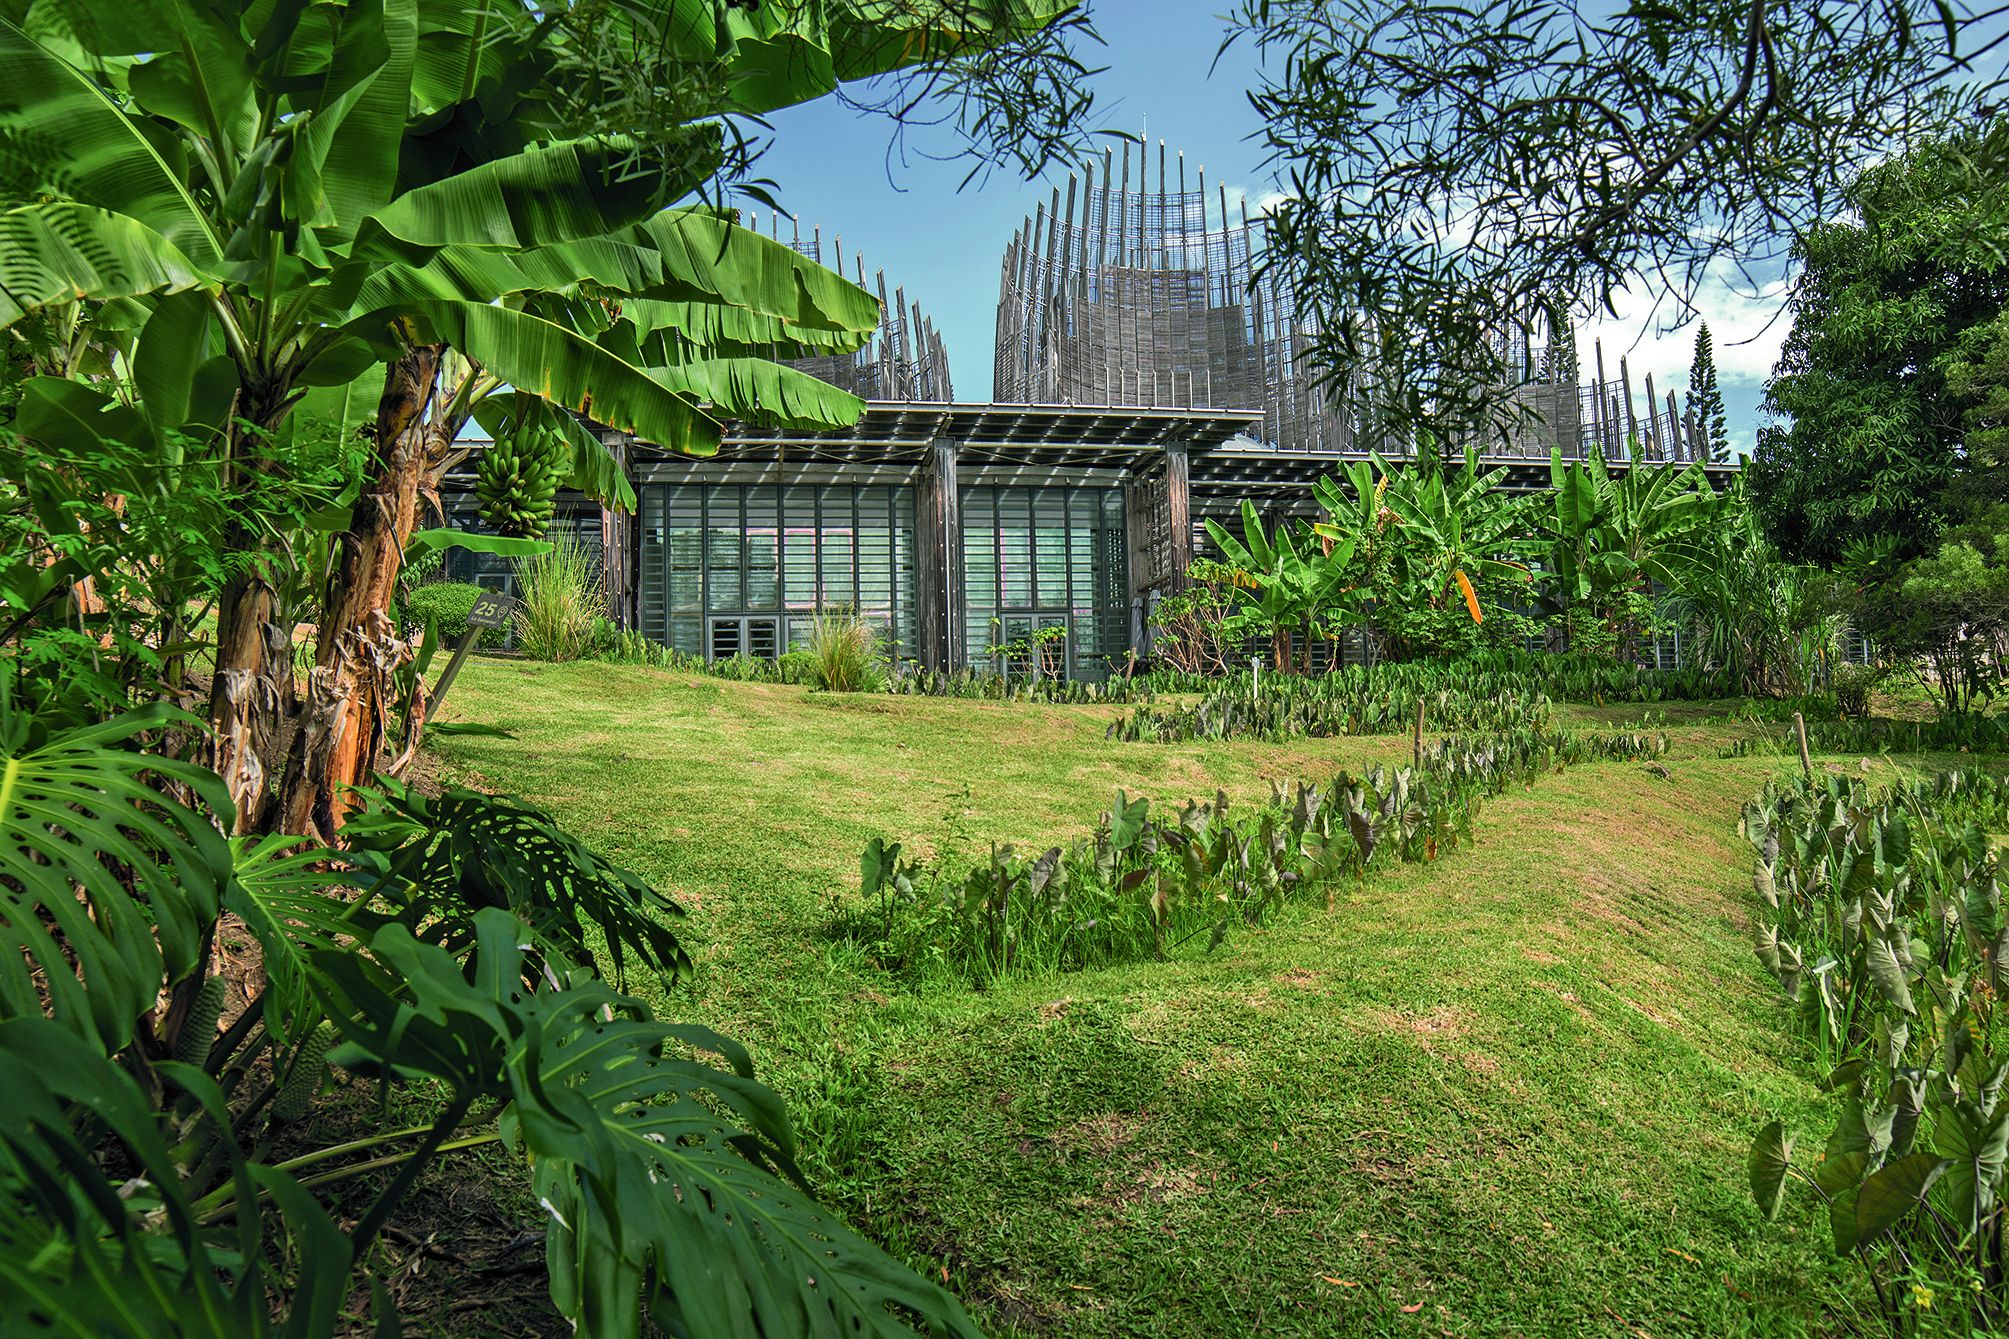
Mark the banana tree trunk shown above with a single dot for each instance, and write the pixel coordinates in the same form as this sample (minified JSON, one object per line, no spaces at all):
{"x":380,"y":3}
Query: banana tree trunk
{"x":251,"y":693}
{"x":346,"y":716}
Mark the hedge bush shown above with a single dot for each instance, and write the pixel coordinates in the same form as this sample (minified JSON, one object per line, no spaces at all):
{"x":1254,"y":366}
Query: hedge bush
{"x":448,"y":604}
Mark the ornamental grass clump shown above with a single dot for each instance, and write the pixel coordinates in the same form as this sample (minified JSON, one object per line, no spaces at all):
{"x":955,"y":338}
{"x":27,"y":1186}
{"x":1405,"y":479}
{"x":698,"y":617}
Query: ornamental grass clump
{"x":560,"y":602}
{"x":844,"y":654}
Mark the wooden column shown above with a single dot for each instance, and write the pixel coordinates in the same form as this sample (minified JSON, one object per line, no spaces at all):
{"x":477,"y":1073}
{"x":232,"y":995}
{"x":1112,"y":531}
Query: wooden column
{"x":1178,"y":513}
{"x":618,"y":548}
{"x":938,"y":559}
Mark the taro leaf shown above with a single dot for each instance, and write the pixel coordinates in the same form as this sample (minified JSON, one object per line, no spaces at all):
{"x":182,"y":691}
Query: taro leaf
{"x":1976,"y":1148}
{"x":1848,"y":1075}
{"x":1366,"y":834}
{"x":1771,"y":1157}
{"x":1842,"y":1217}
{"x":1843,"y":1171}
{"x":1768,"y":947}
{"x":1888,"y":973}
{"x":1042,"y":871}
{"x":1761,"y":879}
{"x":1126,"y":821}
{"x":1893,"y":1191}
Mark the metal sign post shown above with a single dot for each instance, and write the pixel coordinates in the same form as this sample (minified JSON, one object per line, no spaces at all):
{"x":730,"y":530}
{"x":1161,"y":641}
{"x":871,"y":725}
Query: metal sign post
{"x":492,"y":609}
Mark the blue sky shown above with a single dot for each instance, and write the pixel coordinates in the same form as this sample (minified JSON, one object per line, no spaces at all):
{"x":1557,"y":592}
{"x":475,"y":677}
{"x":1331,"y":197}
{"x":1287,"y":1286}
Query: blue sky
{"x":836,"y":170}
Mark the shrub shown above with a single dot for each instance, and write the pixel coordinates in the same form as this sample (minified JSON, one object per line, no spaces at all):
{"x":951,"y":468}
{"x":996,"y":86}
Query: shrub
{"x":1852,"y":685}
{"x":796,"y":666}
{"x":844,"y":653}
{"x":561,"y":601}
{"x":446,"y":604}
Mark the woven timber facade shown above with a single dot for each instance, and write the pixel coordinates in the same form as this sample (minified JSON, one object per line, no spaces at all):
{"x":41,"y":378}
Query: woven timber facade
{"x":1146,"y":380}
{"x":1121,"y":291}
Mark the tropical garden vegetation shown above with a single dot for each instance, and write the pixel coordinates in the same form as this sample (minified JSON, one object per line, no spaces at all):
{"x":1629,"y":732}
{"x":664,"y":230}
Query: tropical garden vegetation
{"x":292,"y":990}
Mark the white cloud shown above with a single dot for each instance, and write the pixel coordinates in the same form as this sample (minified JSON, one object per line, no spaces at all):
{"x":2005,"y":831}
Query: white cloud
{"x":1746,"y":323}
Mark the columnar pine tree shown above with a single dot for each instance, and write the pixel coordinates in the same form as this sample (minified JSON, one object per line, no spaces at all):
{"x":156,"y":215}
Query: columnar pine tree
{"x":1708,"y":398}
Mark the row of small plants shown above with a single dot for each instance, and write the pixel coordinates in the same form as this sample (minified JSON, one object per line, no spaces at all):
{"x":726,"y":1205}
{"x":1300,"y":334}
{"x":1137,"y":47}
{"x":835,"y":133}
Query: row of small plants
{"x":1969,"y":732}
{"x":991,"y":686}
{"x":1321,"y":708}
{"x":1154,"y":883}
{"x":1562,"y":676}
{"x":1880,"y":914}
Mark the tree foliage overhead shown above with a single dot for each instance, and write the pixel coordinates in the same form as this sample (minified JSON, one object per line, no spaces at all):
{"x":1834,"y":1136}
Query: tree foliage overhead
{"x":1453,"y":167}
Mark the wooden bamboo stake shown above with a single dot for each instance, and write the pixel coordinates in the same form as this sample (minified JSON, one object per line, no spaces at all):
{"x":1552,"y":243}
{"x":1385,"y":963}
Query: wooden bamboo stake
{"x":1806,"y":759}
{"x":1420,"y":701}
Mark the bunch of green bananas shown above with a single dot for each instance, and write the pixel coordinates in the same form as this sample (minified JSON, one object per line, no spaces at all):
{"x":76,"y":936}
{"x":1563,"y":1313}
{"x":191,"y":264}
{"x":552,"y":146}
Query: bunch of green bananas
{"x":515,"y":480}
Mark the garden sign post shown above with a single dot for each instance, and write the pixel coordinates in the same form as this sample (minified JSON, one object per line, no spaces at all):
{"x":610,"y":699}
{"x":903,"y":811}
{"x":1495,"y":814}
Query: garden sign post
{"x":491,"y":610}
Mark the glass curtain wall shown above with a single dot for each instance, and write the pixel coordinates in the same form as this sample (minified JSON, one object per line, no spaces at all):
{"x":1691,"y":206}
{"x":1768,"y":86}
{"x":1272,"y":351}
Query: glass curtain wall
{"x":731,"y":569}
{"x":1040,"y":558}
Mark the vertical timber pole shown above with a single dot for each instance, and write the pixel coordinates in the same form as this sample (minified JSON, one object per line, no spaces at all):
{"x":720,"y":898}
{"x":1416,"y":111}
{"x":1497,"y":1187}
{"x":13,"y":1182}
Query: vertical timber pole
{"x":938,"y":536}
{"x":1178,"y":512}
{"x":618,"y":536}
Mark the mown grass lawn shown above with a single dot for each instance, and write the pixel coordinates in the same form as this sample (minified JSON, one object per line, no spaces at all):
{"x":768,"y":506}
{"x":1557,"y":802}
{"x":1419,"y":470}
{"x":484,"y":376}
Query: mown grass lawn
{"x":1509,"y":1093}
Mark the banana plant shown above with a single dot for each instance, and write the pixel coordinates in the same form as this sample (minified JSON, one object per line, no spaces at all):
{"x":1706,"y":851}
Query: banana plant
{"x":1280,"y":590}
{"x":1613,"y":536}
{"x":260,"y":206}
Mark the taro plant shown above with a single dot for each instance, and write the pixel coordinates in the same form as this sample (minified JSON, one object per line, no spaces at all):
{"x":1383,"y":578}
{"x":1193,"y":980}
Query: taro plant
{"x":1148,"y":884}
{"x":159,"y":1173}
{"x":1880,"y":913}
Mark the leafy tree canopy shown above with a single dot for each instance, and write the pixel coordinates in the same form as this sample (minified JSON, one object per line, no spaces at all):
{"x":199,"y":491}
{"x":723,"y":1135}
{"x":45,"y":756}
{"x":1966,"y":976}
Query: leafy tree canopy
{"x":1456,"y":167}
{"x":1894,"y":350}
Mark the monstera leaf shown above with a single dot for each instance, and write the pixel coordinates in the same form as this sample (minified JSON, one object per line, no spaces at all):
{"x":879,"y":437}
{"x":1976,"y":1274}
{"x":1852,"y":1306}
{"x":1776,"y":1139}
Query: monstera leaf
{"x":135,"y":1258}
{"x":446,"y":858}
{"x":669,"y":1180}
{"x":108,"y":883}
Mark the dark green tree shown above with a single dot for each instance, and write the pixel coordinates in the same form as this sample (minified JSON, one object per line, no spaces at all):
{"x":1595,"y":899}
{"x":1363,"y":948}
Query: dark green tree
{"x":1874,"y":437}
{"x":1887,"y":466}
{"x":1707,"y":398}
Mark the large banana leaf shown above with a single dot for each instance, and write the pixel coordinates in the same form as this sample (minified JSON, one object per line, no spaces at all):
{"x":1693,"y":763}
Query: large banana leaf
{"x":66,"y":139}
{"x":659,"y":1170}
{"x":783,"y":54}
{"x":675,"y":332}
{"x":546,"y":195}
{"x":760,"y":391}
{"x":64,"y":252}
{"x":739,"y":267}
{"x":107,"y":883}
{"x":559,"y":365}
{"x":360,"y":103}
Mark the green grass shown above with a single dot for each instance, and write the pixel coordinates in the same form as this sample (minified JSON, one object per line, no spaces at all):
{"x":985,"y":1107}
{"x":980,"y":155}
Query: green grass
{"x":1509,"y":1093}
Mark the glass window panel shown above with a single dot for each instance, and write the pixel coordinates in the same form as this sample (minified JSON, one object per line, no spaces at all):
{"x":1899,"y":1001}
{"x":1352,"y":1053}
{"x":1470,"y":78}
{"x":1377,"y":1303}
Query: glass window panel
{"x":1014,"y":548}
{"x":838,"y":557}
{"x":686,"y":549}
{"x":875,"y":549}
{"x":1049,"y":517}
{"x":798,"y":547}
{"x":724,"y":541}
{"x":763,"y":516}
